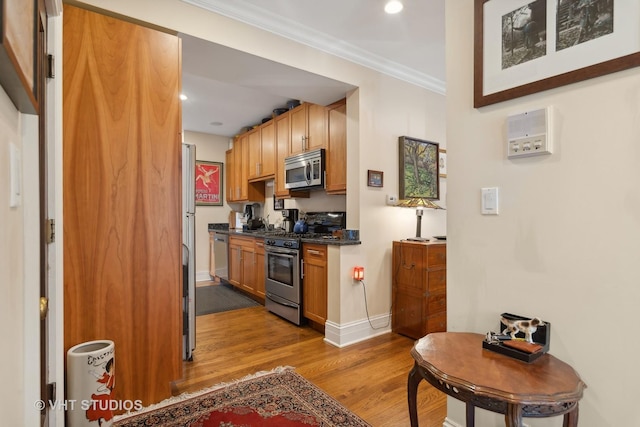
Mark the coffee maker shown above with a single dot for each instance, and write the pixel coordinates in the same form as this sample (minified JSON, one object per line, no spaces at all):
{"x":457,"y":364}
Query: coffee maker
{"x":289,"y":218}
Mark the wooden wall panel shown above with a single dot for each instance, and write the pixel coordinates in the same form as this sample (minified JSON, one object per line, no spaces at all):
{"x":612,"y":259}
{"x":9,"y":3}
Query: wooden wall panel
{"x":122,"y":197}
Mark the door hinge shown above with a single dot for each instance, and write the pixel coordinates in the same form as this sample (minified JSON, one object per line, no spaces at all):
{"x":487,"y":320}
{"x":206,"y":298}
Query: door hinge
{"x":51,"y":66}
{"x":50,"y":230}
{"x":51,"y":392}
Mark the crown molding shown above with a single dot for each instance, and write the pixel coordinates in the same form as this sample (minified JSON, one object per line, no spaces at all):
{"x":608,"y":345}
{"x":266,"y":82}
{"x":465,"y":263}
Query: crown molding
{"x":269,"y":21}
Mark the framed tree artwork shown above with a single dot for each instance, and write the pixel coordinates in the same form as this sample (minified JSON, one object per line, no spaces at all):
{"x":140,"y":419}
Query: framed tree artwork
{"x":419,"y":169}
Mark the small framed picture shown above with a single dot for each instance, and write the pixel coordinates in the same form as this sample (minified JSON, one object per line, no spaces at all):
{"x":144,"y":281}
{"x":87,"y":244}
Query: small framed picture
{"x":278,"y":204}
{"x":374,"y":178}
{"x":442,"y":162}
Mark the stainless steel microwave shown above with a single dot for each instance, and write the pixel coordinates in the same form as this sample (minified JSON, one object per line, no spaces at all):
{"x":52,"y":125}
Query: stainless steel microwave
{"x":305,"y":170}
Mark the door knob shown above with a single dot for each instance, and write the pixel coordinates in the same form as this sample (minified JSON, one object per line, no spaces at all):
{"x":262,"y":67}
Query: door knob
{"x":44,"y":307}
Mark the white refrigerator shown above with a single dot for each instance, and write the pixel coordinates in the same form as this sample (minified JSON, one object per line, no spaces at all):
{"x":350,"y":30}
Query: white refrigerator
{"x":188,"y":251}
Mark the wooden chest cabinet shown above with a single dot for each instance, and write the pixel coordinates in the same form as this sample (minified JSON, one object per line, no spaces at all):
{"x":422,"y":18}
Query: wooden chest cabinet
{"x":419,"y":288}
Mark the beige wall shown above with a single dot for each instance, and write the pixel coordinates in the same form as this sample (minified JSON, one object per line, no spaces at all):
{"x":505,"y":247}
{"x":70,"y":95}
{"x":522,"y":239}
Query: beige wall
{"x":11,"y":274}
{"x":210,"y":148}
{"x":19,"y":270}
{"x":566,"y":244}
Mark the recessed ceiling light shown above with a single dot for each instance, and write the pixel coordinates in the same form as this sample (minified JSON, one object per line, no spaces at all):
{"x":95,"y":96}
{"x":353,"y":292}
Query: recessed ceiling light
{"x":183,"y":97}
{"x":216,"y":123}
{"x":393,"y":6}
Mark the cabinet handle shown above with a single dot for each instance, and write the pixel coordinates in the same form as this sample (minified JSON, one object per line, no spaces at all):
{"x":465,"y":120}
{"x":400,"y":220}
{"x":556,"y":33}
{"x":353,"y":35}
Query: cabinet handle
{"x":313,"y":251}
{"x":302,"y":269}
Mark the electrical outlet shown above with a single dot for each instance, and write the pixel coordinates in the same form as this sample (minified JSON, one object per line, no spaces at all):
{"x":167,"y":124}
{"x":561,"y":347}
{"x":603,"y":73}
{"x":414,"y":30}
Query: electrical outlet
{"x":392,"y":199}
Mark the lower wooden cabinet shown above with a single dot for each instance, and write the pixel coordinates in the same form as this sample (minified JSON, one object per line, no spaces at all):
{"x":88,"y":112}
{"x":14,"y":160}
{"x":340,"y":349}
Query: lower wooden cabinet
{"x":246,"y":264}
{"x":419,"y":288}
{"x":314,"y":283}
{"x":259,"y":268}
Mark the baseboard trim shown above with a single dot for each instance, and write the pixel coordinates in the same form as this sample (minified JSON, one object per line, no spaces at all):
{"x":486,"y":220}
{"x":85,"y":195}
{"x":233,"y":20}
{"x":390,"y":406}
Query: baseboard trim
{"x":449,"y":423}
{"x":354,"y":332}
{"x":203,"y":276}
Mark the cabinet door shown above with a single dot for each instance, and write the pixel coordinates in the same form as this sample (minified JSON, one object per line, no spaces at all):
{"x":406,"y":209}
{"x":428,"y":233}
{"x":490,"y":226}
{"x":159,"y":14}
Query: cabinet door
{"x":254,"y":154}
{"x":235,"y":264}
{"x":268,"y":149}
{"x":298,"y":132}
{"x":238,"y":164}
{"x":283,"y":136}
{"x":315,"y":283}
{"x":248,"y":269}
{"x":316,"y":127}
{"x":337,"y":149}
{"x":229,"y":175}
{"x":259,"y":268}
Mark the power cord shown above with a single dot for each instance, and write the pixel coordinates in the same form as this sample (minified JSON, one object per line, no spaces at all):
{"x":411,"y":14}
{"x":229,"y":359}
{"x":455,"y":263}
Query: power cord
{"x":366,"y":307}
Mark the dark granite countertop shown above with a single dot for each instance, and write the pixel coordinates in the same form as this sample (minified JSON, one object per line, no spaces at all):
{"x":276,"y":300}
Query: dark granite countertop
{"x":261,"y":234}
{"x":218,"y":226}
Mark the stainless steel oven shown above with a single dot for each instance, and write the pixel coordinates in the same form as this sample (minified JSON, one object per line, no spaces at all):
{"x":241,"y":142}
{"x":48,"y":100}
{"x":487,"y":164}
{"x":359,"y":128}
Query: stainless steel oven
{"x":283,"y":282}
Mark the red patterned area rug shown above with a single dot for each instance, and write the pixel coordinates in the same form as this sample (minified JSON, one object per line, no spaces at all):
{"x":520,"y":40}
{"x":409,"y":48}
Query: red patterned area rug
{"x":279,"y":398}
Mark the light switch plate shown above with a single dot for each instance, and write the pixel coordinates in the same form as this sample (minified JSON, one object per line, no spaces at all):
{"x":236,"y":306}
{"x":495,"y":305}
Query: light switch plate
{"x":490,"y":201}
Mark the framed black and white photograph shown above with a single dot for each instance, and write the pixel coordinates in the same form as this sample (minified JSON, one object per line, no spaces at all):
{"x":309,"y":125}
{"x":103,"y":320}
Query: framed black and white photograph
{"x":442,"y":162}
{"x":278,"y":204}
{"x":524,"y":47}
{"x":375,"y":178}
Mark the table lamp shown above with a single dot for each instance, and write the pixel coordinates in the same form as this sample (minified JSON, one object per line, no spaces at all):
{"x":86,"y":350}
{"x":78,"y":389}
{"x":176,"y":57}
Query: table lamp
{"x":420,"y":204}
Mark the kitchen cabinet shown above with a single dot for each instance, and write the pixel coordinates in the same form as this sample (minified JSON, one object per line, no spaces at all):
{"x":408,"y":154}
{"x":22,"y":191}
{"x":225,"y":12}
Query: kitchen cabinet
{"x":246,"y":264}
{"x":308,"y":123}
{"x":262,"y":152}
{"x":241,"y":263}
{"x":282,"y":138}
{"x":237,"y":174}
{"x":419,"y":288}
{"x":230,"y":179}
{"x":259,"y":268}
{"x":336,"y":155}
{"x":314,"y":283}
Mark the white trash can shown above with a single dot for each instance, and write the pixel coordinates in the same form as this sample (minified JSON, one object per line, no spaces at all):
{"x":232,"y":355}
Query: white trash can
{"x":90,"y":379}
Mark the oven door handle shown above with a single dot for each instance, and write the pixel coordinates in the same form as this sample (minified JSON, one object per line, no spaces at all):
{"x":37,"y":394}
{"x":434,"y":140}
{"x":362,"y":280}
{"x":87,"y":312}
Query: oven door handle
{"x":280,"y":300}
{"x":287,"y":253}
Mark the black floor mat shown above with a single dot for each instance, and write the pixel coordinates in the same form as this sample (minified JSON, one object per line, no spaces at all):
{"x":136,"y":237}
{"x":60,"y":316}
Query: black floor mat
{"x":219,"y":298}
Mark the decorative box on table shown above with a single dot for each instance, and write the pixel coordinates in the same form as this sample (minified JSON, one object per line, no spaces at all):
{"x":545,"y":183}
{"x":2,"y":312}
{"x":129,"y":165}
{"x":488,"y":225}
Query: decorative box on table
{"x":540,"y":338}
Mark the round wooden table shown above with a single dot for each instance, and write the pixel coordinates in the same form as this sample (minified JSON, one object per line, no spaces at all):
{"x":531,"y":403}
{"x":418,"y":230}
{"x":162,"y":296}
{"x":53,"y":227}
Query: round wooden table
{"x":456,"y":364}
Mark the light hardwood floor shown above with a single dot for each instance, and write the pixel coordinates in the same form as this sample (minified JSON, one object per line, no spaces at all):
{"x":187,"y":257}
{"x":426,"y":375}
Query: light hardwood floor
{"x":369,"y":378}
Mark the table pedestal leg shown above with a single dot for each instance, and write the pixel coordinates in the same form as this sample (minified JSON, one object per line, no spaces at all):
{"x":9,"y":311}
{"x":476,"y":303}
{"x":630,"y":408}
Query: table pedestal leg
{"x":471,"y":415}
{"x":571,"y":418}
{"x":513,"y":417}
{"x":412,"y":393}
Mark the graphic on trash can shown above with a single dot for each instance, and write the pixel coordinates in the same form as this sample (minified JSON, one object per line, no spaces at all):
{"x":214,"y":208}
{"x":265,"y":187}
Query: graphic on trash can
{"x":90,"y":379}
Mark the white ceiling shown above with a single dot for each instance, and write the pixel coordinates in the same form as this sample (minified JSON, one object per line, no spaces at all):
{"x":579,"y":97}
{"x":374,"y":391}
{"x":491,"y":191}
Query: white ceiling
{"x":238,"y":89}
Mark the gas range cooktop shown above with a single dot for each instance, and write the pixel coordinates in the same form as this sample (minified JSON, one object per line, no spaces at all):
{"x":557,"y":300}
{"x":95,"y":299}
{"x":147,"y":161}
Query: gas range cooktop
{"x":281,"y":234}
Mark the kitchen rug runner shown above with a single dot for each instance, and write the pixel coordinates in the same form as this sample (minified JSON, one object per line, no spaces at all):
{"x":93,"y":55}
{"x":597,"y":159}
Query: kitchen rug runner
{"x":219,"y":298}
{"x":278,"y":398}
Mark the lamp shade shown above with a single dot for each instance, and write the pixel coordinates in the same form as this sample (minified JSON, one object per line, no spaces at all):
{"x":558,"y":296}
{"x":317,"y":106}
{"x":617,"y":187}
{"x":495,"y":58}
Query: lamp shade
{"x":418,"y":202}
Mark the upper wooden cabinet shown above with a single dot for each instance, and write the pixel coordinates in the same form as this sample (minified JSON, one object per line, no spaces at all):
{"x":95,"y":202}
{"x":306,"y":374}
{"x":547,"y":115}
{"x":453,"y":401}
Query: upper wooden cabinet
{"x":308,"y":128}
{"x":262,"y":152}
{"x":237,"y":173}
{"x":337,"y":148}
{"x":283,"y":139}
